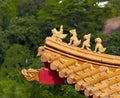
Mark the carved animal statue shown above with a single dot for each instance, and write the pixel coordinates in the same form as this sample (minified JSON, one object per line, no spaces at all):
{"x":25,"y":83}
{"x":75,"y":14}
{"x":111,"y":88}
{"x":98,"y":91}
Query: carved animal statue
{"x":86,"y":43}
{"x":58,"y":35}
{"x":111,"y":25}
{"x":99,"y":46}
{"x":74,"y":40}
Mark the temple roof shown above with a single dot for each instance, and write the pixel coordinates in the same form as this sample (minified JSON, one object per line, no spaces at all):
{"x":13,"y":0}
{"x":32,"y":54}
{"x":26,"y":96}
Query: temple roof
{"x":93,"y":72}
{"x":96,"y":74}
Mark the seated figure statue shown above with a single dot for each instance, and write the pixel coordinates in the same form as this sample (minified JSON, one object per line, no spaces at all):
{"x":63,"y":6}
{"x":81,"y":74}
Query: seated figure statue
{"x":99,"y":47}
{"x":74,"y":40}
{"x":86,"y":43}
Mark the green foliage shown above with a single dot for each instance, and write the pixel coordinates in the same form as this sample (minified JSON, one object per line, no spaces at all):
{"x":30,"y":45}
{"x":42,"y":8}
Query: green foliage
{"x":115,"y":4}
{"x":112,"y":43}
{"x":25,"y":31}
{"x":28,"y":7}
{"x":24,"y":24}
{"x":15,"y":60}
{"x":13,"y":89}
{"x":16,"y":56}
{"x":55,"y":91}
{"x":3,"y":46}
{"x":7,"y":12}
{"x":86,"y":16}
{"x":12,"y":84}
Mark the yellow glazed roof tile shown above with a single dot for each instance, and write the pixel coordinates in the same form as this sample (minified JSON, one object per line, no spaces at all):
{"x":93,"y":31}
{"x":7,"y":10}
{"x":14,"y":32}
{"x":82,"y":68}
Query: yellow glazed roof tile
{"x":96,"y":74}
{"x":92,"y":76}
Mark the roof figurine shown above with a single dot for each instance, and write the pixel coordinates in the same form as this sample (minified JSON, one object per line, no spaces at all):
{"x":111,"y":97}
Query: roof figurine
{"x":58,"y":35}
{"x":74,"y":40}
{"x":86,"y":43}
{"x":99,"y":47}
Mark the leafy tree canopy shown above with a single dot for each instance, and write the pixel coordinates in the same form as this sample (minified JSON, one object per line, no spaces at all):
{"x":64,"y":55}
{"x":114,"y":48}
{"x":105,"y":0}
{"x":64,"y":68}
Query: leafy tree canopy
{"x":85,"y":15}
{"x":24,"y":24}
{"x":115,"y":4}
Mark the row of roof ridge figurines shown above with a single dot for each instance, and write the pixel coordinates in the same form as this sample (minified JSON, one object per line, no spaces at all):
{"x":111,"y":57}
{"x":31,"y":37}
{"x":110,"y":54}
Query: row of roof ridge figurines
{"x":74,"y":41}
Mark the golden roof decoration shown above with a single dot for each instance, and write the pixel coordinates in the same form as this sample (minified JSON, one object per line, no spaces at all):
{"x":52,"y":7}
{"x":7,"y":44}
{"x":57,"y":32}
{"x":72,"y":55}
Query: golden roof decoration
{"x":99,"y":46}
{"x":74,"y":40}
{"x":93,"y":72}
{"x":30,"y":74}
{"x":58,"y":35}
{"x":86,"y":43}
